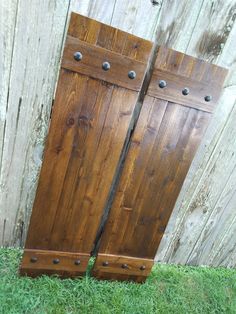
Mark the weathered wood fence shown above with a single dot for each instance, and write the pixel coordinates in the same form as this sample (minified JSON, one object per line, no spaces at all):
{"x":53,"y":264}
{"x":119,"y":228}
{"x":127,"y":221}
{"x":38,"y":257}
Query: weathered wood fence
{"x":202,"y":229}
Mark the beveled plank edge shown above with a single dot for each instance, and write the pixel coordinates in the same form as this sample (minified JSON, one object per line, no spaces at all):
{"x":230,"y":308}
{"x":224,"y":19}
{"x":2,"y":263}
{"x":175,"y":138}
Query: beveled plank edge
{"x":98,"y":72}
{"x":44,"y":263}
{"x":190,"y":101}
{"x":216,"y":70}
{"x":116,"y":271}
{"x":75,"y":15}
{"x":102,"y":50}
{"x":185,"y":103}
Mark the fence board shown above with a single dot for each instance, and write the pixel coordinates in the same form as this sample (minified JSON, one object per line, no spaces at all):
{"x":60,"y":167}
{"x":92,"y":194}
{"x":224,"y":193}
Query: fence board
{"x":178,"y":221}
{"x":7,"y":32}
{"x":203,"y":28}
{"x":37,"y":46}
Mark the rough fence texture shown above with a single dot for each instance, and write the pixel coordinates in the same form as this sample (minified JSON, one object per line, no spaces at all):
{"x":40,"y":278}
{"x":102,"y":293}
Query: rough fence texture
{"x":202,"y":229}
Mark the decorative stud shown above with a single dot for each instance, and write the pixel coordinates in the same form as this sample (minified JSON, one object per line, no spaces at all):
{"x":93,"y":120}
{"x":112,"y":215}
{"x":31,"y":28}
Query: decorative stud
{"x":33,"y":259}
{"x":131,"y":75}
{"x":56,"y":261}
{"x":78,"y":56}
{"x":77,"y":262}
{"x":105,"y":263}
{"x":125,"y":266}
{"x":143,"y":267}
{"x":185,"y":91}
{"x":162,"y":84}
{"x":208,"y":98}
{"x":106,"y":66}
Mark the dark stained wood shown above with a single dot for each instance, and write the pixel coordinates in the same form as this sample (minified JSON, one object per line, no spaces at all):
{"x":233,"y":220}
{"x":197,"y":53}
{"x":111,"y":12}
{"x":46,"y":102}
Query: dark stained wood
{"x":93,"y":58}
{"x":181,"y":71}
{"x":90,"y":119}
{"x":176,"y":83}
{"x":50,"y":262}
{"x":163,"y":144}
{"x":110,"y":38}
{"x":117,"y":267}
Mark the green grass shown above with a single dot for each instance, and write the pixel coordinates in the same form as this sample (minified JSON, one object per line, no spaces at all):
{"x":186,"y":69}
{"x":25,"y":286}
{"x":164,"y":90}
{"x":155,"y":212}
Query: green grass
{"x":170,"y":289}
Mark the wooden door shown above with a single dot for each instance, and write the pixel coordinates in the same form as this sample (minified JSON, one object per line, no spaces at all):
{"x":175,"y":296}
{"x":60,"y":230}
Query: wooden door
{"x":101,"y":75}
{"x":176,"y":111}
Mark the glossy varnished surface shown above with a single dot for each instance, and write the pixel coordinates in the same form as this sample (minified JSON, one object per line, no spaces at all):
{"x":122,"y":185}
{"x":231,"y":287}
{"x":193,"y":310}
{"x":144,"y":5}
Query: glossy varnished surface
{"x":89,"y":123}
{"x":182,"y":71}
{"x":164,"y":142}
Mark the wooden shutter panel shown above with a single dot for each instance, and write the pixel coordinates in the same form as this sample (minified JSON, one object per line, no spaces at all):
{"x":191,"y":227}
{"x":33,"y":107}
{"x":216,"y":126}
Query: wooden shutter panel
{"x":91,"y":115}
{"x":171,"y":124}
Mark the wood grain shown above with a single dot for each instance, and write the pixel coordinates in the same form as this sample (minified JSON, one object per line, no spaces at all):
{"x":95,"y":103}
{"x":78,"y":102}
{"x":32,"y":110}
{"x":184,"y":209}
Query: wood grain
{"x":162,"y":148}
{"x":34,"y":62}
{"x":90,"y":120}
{"x":116,"y":267}
{"x":64,"y":264}
{"x":217,"y":35}
{"x":181,"y":26}
{"x":93,"y":59}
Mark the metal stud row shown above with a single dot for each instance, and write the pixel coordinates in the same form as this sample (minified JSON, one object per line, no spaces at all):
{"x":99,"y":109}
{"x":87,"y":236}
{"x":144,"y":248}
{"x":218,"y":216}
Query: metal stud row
{"x":54,"y":261}
{"x":105,"y":66}
{"x":185,"y":90}
{"x":124,"y":266}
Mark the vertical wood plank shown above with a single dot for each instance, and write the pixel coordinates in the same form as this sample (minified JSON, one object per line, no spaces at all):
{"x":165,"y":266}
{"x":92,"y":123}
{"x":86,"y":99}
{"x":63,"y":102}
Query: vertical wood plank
{"x":136,"y":17}
{"x":185,"y":26}
{"x":221,"y":220}
{"x":8,"y":11}
{"x":38,"y":38}
{"x":223,"y":30}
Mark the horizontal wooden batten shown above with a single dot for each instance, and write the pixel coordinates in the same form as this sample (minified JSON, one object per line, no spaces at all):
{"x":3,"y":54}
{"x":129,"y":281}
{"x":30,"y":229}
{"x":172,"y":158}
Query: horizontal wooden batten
{"x":65,"y":264}
{"x":91,"y":117}
{"x":116,"y":267}
{"x":173,"y":91}
{"x":93,"y":58}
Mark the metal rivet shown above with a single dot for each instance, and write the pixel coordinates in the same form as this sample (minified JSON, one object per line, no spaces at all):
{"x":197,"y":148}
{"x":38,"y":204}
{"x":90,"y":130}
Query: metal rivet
{"x":56,"y":261}
{"x":78,"y":56}
{"x":162,"y":84}
{"x":106,"y":66}
{"x":125,"y":266}
{"x":105,"y":263}
{"x":33,"y":259}
{"x":208,"y":98}
{"x":142,"y":267}
{"x":131,"y":75}
{"x":185,"y":91}
{"x":77,"y":262}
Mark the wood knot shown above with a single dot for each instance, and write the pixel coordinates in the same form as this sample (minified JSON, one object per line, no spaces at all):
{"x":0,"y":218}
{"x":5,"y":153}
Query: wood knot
{"x":70,"y":121}
{"x":84,"y":121}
